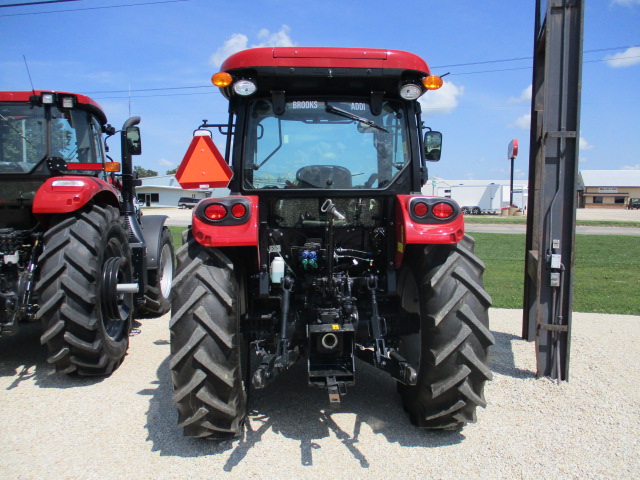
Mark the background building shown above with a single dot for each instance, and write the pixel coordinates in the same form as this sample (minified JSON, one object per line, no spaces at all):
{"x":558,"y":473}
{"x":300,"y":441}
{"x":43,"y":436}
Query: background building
{"x":608,"y":188}
{"x":443,"y":188}
{"x":165,"y":191}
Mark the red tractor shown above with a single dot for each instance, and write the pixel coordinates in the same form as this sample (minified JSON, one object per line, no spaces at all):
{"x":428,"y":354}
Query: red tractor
{"x":75,"y":252}
{"x":325,"y":248}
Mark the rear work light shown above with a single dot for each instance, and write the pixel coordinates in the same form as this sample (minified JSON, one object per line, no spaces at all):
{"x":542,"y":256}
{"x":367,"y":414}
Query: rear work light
{"x":215,"y":211}
{"x":67,"y":102}
{"x":410,"y":91}
{"x":442,"y":210}
{"x":244,"y":87}
{"x":67,"y":185}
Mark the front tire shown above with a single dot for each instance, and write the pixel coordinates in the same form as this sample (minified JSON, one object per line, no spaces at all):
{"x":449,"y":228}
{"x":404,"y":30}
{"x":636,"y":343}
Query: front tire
{"x":206,"y":353}
{"x":86,"y":324}
{"x":444,"y":286}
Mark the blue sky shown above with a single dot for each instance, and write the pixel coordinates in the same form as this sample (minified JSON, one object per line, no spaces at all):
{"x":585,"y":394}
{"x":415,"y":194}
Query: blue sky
{"x":166,"y":51}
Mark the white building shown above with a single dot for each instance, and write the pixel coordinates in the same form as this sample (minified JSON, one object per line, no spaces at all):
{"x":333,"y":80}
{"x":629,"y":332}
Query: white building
{"x":439,"y":187}
{"x":165,"y":191}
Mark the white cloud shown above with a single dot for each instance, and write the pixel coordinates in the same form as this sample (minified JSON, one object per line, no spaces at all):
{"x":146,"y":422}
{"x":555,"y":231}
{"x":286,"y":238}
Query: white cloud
{"x":525,"y":96}
{"x":443,"y":100}
{"x":631,"y":56}
{"x":239,"y":41}
{"x":233,"y":44}
{"x":632,"y":167}
{"x":523,"y":122}
{"x":166,"y":163}
{"x":279,"y":39}
{"x":584,"y":145}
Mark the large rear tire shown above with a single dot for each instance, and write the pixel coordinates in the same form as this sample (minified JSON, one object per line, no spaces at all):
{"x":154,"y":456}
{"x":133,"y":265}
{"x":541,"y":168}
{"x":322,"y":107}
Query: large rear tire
{"x":158,"y":293}
{"x":444,"y":286}
{"x":206,"y":344}
{"x":86,"y":324}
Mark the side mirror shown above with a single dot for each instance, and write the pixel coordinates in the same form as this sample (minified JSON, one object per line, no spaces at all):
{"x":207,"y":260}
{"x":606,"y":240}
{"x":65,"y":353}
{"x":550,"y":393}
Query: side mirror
{"x":432,"y":146}
{"x":134,"y":143}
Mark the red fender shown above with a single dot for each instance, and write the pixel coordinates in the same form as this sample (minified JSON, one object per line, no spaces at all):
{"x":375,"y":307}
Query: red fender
{"x":228,"y":231}
{"x":70,"y":193}
{"x":427,"y":231}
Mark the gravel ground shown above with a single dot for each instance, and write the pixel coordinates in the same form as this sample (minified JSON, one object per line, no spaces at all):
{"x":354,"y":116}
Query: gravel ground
{"x":124,"y":426}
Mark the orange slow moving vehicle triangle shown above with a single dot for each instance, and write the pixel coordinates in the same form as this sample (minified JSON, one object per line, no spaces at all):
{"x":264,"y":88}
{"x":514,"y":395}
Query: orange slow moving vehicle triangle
{"x":203,"y":166}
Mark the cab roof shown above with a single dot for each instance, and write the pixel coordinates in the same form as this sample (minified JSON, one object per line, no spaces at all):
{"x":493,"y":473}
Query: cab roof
{"x":81,"y":100}
{"x":326,"y":57}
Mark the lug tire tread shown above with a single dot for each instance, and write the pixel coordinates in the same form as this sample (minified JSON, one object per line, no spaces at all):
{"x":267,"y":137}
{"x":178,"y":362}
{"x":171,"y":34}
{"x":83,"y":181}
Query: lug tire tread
{"x":455,"y":338}
{"x":205,"y":345}
{"x":67,"y":288}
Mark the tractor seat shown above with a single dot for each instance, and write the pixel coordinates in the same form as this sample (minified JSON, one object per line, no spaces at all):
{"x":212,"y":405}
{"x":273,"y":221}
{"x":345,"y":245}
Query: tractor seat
{"x":324,"y":176}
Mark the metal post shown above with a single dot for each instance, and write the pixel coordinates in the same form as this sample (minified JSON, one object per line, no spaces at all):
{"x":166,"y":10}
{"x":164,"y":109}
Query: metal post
{"x":511,"y":186}
{"x":553,"y":168}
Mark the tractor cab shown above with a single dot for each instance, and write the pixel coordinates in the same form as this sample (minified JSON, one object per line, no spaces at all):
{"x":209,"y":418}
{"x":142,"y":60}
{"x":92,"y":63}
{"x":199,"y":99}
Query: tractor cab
{"x":45,"y":133}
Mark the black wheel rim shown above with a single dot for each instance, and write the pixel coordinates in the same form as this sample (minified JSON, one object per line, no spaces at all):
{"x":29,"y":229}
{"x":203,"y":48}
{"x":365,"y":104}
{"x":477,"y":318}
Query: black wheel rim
{"x":116,"y":307}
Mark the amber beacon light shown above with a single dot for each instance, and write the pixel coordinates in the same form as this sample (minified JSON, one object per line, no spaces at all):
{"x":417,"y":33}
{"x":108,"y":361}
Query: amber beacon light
{"x":221,"y":79}
{"x":432,"y":82}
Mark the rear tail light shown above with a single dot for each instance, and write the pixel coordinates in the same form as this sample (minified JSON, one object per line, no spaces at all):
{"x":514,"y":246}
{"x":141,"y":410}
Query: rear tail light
{"x":224,"y":211}
{"x":442,"y":210}
{"x":420,"y":209}
{"x":423,"y":209}
{"x":215,"y":211}
{"x":238,"y":210}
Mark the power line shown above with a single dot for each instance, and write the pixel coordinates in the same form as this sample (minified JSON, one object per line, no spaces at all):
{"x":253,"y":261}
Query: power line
{"x":95,"y":8}
{"x":148,"y":89}
{"x":36,"y":3}
{"x":485,"y":62}
{"x":150,"y":96}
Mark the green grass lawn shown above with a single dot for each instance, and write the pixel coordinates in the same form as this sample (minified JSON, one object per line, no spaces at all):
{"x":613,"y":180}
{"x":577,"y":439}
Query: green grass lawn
{"x":606,"y":270}
{"x":176,"y":233}
{"x":500,"y":220}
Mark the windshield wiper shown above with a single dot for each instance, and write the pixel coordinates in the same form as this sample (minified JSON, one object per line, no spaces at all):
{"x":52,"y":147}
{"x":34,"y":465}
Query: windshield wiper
{"x":6,"y":120}
{"x":357,"y":118}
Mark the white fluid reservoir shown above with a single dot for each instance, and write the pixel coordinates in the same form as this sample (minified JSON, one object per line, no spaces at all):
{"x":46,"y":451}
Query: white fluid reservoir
{"x":277,"y":270}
